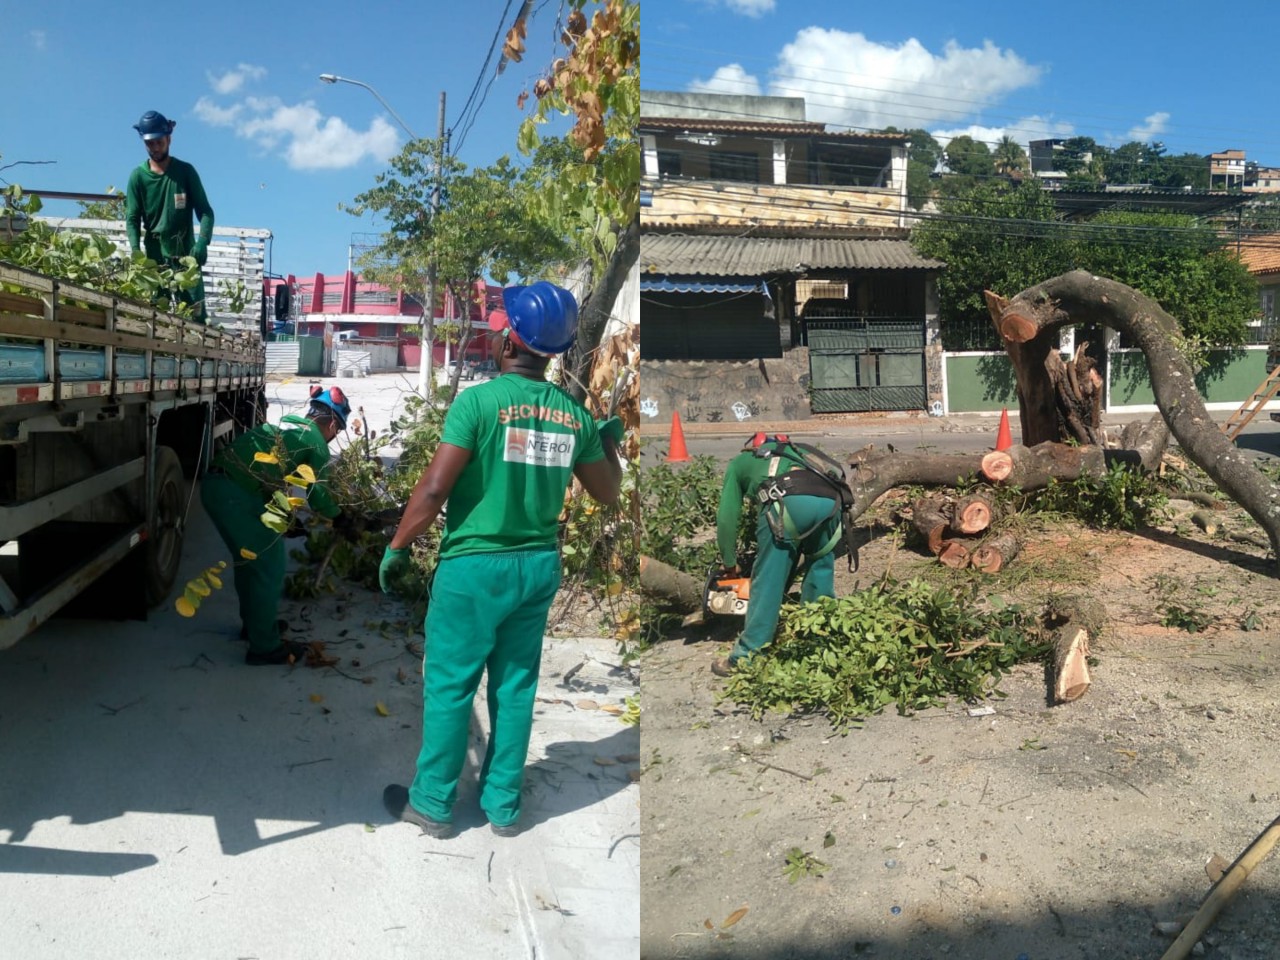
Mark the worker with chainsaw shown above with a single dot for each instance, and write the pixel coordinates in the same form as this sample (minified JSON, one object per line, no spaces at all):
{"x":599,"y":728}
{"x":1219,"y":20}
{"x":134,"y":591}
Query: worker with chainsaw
{"x":242,"y":477}
{"x":797,"y":533}
{"x":509,"y":450}
{"x":164,"y":198}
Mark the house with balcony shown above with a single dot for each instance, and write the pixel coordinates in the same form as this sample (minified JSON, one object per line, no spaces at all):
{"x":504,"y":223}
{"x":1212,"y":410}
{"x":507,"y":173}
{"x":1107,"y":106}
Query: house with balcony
{"x":1226,"y":170}
{"x":777,"y":276}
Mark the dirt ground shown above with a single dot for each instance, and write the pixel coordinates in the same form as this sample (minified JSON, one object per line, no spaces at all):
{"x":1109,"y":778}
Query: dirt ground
{"x":1036,"y":832}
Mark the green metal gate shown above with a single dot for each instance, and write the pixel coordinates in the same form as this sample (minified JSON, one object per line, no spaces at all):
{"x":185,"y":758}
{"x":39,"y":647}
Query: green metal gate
{"x":866,"y":363}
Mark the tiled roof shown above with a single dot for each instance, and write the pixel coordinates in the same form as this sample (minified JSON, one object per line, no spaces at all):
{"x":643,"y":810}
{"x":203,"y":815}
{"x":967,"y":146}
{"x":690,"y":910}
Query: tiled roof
{"x":698,"y":256}
{"x":767,"y":127}
{"x":1260,"y":255}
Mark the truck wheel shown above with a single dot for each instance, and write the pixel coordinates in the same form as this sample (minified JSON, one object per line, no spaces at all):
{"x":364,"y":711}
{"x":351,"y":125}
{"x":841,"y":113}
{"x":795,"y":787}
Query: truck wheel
{"x":164,"y":542}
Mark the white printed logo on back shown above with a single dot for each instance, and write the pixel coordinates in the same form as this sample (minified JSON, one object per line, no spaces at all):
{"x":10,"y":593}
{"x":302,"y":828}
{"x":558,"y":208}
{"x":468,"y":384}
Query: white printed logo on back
{"x":539,"y":449}
{"x":179,"y":201}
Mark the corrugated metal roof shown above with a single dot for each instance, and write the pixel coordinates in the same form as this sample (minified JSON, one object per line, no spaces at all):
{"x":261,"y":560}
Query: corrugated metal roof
{"x":703,"y":256}
{"x":1260,"y":255}
{"x":769,"y":127}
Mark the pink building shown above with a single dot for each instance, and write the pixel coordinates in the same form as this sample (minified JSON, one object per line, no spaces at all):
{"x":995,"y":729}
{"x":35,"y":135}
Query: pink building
{"x":372,"y":311}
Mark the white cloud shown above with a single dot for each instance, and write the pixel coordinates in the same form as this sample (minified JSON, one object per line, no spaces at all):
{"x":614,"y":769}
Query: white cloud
{"x":231,"y":81}
{"x":848,"y":80}
{"x":1154,"y":125}
{"x":39,"y":39}
{"x":728,"y":79}
{"x":306,"y":138}
{"x":751,"y":8}
{"x":1023,"y":131}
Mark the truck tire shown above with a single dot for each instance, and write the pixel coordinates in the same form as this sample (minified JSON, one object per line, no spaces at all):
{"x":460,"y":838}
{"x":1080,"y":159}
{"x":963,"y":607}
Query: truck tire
{"x":163,"y":550}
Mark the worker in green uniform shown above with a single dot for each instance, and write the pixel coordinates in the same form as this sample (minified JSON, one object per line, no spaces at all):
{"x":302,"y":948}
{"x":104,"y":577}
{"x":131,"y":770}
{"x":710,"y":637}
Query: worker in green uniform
{"x":235,"y":491}
{"x":509,"y":450}
{"x":796,"y":533}
{"x":164,"y":197}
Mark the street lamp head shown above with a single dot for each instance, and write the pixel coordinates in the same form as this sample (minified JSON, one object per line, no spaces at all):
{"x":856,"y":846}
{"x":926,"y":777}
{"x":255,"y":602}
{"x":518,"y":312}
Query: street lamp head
{"x":329,"y":78}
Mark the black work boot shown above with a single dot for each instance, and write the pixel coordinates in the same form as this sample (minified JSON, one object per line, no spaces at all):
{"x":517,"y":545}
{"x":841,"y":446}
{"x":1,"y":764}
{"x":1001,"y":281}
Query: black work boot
{"x":289,"y":651}
{"x":396,"y":799}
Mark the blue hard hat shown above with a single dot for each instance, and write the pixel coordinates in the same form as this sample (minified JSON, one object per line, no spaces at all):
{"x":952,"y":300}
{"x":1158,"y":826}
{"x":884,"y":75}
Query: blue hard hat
{"x":335,"y":400}
{"x":154,"y":125}
{"x":543,"y":317}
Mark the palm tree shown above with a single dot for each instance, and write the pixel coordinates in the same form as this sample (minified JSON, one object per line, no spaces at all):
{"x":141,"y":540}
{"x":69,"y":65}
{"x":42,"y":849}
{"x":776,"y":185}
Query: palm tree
{"x":1009,"y":157}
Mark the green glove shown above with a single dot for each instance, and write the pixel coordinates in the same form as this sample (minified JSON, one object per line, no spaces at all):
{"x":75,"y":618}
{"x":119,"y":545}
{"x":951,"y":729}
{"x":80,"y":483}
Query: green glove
{"x":201,"y":253}
{"x":611,"y":428}
{"x":393,"y":565}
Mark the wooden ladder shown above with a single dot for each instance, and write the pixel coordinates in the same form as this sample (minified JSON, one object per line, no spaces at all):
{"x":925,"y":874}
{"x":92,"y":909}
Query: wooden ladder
{"x":1240,"y":419}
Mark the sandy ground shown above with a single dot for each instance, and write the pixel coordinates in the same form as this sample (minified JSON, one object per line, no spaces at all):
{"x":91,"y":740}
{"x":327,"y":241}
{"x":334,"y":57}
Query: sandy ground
{"x":1034,"y":832}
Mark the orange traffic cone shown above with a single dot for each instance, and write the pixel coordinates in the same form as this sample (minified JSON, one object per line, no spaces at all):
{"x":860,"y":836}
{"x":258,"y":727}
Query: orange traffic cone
{"x":677,"y":453}
{"x":1004,"y":439}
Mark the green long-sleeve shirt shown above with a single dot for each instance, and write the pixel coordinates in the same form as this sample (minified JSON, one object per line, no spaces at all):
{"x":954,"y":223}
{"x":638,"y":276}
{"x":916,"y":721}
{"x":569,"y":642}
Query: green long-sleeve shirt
{"x":166,"y":206}
{"x":742,"y":478}
{"x":295,"y":441}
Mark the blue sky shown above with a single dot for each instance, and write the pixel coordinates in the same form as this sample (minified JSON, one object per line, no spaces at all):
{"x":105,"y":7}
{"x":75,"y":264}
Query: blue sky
{"x":1195,"y":77}
{"x":275,"y":147}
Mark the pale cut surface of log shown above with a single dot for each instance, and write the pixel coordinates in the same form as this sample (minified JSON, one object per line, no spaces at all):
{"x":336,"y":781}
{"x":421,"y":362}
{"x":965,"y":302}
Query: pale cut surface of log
{"x":995,"y":552}
{"x":1070,"y":663}
{"x":971,"y":514}
{"x":1206,"y":521}
{"x":996,"y":465}
{"x":954,"y":554}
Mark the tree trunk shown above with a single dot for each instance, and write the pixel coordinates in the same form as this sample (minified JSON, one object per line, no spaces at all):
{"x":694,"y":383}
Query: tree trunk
{"x":971,"y":514}
{"x":954,"y":554}
{"x":1034,"y":316}
{"x":930,"y":521}
{"x":995,"y":552}
{"x":663,"y":580}
{"x":597,"y":308}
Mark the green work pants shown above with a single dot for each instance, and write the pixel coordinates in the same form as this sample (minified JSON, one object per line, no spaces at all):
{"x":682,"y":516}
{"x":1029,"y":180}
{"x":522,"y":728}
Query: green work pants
{"x":776,"y":565}
{"x":487,"y":610}
{"x":235,"y":512}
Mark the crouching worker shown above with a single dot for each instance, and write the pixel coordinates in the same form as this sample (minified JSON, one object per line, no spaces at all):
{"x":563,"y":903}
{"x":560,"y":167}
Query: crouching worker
{"x":797,"y":533}
{"x":509,"y":450}
{"x":235,"y":491}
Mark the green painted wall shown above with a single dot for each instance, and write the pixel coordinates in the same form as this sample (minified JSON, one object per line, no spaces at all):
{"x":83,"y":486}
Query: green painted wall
{"x":1231,"y":376}
{"x":975,"y":384}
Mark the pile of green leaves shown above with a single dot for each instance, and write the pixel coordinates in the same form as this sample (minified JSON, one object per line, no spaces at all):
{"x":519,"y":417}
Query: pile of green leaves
{"x":679,"y":502}
{"x":1122,"y":499}
{"x":911,"y":644}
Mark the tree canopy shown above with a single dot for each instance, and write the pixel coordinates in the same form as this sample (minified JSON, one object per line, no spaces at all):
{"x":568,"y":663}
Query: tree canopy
{"x":1001,"y":239}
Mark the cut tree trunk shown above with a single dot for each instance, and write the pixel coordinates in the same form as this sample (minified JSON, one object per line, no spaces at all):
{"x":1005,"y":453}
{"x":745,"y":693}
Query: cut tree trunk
{"x":954,"y":554}
{"x":1070,"y":663}
{"x":1206,"y":521}
{"x":971,"y":514}
{"x":930,"y":521}
{"x":677,"y":587}
{"x":995,"y":552}
{"x":1032,"y":318}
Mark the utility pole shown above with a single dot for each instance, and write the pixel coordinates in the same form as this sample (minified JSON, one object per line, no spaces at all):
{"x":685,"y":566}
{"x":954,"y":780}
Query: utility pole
{"x":425,"y":372}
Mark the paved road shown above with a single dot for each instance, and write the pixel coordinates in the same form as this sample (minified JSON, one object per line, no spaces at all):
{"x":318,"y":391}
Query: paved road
{"x":159,"y":799}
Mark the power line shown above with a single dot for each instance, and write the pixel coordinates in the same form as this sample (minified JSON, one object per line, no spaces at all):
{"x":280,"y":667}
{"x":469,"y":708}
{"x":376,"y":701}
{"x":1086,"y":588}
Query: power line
{"x":493,"y":45}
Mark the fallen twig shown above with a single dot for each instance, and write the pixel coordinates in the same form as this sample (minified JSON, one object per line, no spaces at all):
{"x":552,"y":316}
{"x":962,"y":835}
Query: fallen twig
{"x":306,"y":763}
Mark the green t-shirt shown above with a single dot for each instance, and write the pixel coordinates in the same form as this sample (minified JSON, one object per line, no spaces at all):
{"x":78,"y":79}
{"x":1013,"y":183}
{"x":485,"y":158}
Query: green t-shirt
{"x":525,"y":437}
{"x":295,"y":441}
{"x":166,"y":205}
{"x":742,"y":479}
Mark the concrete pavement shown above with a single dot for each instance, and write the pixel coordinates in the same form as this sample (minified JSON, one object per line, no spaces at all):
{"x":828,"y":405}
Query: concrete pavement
{"x":160,"y":799}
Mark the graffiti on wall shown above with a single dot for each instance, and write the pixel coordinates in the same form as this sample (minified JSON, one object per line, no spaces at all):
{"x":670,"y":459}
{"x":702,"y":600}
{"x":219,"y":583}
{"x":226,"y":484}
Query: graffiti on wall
{"x":649,"y":407}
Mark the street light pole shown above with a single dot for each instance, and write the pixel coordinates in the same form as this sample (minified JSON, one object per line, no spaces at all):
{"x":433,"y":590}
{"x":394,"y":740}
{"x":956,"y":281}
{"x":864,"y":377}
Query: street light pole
{"x":427,"y":357}
{"x":334,"y":78}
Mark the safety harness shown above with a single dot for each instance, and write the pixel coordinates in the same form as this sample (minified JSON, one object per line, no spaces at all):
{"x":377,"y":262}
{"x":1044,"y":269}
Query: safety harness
{"x":818,"y":476}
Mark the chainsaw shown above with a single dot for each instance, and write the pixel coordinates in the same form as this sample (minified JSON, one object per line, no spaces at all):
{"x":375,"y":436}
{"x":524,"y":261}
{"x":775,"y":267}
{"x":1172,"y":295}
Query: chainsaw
{"x":726,"y":596}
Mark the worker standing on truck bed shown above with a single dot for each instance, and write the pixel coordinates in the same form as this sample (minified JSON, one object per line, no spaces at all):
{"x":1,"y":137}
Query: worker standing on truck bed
{"x":164,"y":197}
{"x":509,"y":450}
{"x":235,"y":491}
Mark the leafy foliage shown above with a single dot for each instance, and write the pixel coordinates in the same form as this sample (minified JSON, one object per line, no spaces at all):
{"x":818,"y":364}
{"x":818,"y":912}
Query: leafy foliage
{"x":1007,"y":239}
{"x":908,"y":644}
{"x":1122,"y":499}
{"x":679,"y":503}
{"x":800,"y":863}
